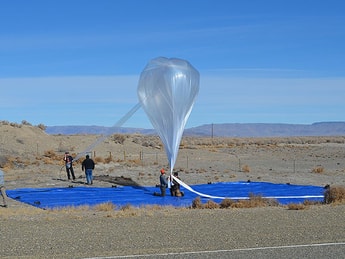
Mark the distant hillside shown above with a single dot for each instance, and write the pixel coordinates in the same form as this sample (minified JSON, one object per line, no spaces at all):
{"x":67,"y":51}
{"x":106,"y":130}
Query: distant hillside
{"x":222,"y":130}
{"x":269,"y":130}
{"x":71,"y":130}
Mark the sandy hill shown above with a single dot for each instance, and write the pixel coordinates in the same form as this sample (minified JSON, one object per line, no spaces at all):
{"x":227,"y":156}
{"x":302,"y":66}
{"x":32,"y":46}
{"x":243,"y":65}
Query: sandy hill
{"x":31,"y":157}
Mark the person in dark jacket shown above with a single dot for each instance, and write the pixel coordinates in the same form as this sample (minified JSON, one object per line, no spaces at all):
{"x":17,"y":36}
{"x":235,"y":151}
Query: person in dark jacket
{"x":175,"y":187}
{"x":88,"y":165}
{"x":69,"y":165}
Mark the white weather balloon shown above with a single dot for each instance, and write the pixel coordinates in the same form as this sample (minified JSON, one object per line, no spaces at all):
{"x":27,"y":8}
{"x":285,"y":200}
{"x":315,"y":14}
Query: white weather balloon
{"x":167,"y":90}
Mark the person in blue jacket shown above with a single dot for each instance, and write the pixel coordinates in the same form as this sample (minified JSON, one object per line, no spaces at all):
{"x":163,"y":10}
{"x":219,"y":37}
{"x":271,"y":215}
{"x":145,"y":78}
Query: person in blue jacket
{"x":163,"y":184}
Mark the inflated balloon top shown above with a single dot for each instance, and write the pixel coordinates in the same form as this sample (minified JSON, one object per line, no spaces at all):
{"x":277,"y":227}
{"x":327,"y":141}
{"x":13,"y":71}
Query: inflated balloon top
{"x":167,"y":90}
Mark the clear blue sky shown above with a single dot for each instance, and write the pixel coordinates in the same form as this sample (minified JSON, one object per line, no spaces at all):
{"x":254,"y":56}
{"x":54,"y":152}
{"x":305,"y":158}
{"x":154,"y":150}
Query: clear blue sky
{"x":78,"y":62}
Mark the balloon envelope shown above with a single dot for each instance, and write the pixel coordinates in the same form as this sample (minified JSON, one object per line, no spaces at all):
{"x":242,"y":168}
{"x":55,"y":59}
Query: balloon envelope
{"x":167,"y":90}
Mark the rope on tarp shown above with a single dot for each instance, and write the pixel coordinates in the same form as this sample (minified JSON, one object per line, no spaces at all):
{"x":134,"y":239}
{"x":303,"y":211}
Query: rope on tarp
{"x":242,"y":198}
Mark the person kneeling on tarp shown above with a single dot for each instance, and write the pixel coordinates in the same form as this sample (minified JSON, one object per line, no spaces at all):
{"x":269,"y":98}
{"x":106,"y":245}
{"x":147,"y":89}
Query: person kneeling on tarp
{"x":175,"y":187}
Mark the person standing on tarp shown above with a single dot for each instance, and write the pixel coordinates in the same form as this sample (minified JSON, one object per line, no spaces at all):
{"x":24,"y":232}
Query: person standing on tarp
{"x":163,"y":184}
{"x":88,"y":165}
{"x":2,"y":188}
{"x":69,"y":165}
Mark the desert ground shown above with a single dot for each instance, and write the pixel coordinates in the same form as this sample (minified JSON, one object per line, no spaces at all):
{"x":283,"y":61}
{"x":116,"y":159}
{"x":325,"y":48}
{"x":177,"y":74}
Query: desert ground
{"x":31,"y":158}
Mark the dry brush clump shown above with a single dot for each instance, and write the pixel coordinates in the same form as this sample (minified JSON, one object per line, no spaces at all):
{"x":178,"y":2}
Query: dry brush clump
{"x":42,"y":126}
{"x":24,"y":122}
{"x":226,"y":203}
{"x":197,"y":204}
{"x":246,"y":168}
{"x":334,"y":194}
{"x":318,"y":170}
{"x":147,"y":141}
{"x":211,"y":205}
{"x":51,"y":154}
{"x":304,"y":205}
{"x":119,"y":138}
{"x":99,"y":159}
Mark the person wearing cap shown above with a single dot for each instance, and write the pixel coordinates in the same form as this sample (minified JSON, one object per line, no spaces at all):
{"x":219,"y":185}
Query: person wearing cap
{"x":69,"y":165}
{"x":163,"y":183}
{"x":2,"y":188}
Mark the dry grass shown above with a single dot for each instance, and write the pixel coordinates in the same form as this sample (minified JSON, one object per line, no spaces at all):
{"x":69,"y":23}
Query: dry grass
{"x":268,"y":142}
{"x":47,"y":161}
{"x":253,"y":201}
{"x":52,"y":155}
{"x":25,"y":212}
{"x":296,"y":206}
{"x":99,"y":159}
{"x":33,"y":143}
{"x":310,"y":203}
{"x":71,"y":209}
{"x":131,"y":162}
{"x":302,"y":206}
{"x":108,"y":160}
{"x":108,"y":206}
{"x":107,"y":209}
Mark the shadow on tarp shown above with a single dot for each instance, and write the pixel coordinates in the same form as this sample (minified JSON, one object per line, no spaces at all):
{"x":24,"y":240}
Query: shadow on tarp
{"x":138,"y":196}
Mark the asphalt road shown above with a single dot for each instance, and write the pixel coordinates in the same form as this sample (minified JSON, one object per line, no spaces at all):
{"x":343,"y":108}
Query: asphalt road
{"x":271,"y":232}
{"x":312,"y":251}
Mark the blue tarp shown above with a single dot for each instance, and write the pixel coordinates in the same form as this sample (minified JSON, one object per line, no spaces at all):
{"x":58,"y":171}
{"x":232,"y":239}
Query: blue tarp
{"x":138,"y":196}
